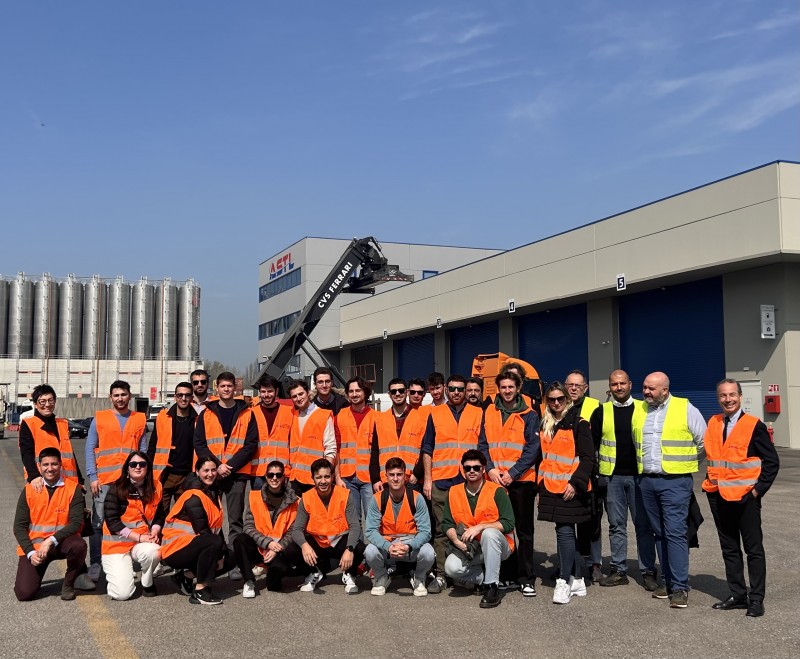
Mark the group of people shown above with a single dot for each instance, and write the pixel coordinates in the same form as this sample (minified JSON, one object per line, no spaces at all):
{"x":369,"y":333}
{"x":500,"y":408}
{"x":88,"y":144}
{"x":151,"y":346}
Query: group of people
{"x":444,"y":493}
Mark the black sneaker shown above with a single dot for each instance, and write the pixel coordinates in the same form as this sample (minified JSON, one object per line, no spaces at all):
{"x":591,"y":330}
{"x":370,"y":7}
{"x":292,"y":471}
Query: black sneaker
{"x":67,"y":593}
{"x":615,"y":579}
{"x":491,"y":598}
{"x":204,"y":596}
{"x":183,"y":583}
{"x":662,"y":592}
{"x":650,"y":581}
{"x":149,"y":591}
{"x":508,"y":585}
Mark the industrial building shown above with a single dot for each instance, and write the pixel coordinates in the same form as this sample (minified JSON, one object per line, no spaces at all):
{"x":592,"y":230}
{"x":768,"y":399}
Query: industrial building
{"x":79,"y":334}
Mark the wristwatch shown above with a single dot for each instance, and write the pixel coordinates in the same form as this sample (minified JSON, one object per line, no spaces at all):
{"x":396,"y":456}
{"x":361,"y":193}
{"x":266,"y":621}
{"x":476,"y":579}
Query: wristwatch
{"x":350,"y":548}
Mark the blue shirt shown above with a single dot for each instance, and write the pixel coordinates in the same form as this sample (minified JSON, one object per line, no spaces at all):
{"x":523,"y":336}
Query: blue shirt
{"x":93,"y":440}
{"x":372,"y":527}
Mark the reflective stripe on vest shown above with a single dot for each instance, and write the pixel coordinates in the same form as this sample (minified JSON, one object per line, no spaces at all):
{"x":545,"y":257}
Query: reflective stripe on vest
{"x":407,"y":445}
{"x":608,"y":443}
{"x":559,"y":460}
{"x":263,"y":519}
{"x":307,"y":446}
{"x":48,"y":514}
{"x":356,"y":445}
{"x":678,"y":450}
{"x":138,"y":517}
{"x":403,"y":525}
{"x":326,"y":525}
{"x":115,"y":445}
{"x":506,"y":440}
{"x":178,"y":533}
{"x":453,"y":439}
{"x":163,"y":443}
{"x":730,"y":471}
{"x":43,"y":439}
{"x":485,"y":508}
{"x":215,"y":437}
{"x":272,"y":444}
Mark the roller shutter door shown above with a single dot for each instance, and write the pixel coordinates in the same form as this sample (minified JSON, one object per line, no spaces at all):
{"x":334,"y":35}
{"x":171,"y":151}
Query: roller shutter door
{"x":468,"y":342}
{"x":415,"y":357}
{"x":678,"y":330}
{"x":555,"y":341}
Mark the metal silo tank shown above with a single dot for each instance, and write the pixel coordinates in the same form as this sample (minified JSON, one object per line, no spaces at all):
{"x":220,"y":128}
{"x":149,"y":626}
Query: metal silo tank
{"x":20,"y":317}
{"x":94,"y":318}
{"x":45,"y":317}
{"x":142,"y":310}
{"x":70,"y":317}
{"x":189,"y":320}
{"x":119,"y":319}
{"x":166,"y":320}
{"x":4,"y":294}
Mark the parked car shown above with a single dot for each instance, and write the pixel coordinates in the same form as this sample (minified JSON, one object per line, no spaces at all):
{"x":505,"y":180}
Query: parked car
{"x":79,"y":427}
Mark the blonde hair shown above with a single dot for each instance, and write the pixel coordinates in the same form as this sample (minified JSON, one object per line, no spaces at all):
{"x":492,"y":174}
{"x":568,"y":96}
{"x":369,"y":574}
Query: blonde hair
{"x":549,"y":419}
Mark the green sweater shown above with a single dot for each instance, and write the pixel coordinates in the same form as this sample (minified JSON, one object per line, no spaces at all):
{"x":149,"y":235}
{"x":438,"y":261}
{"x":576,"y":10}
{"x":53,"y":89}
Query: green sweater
{"x":503,"y":503}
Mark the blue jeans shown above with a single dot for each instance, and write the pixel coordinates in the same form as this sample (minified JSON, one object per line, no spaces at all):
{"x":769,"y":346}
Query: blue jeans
{"x":362,"y":495}
{"x":666,"y":502}
{"x":623,"y":496}
{"x":569,"y":561}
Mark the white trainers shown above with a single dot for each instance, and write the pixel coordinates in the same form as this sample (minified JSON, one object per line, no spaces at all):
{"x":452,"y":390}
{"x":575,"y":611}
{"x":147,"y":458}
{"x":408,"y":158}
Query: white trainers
{"x":379,"y":585}
{"x":350,"y":585}
{"x":249,"y":590}
{"x":419,"y":587}
{"x":561,"y":593}
{"x":95,"y":570}
{"x":311,"y":582}
{"x":577,"y":587}
{"x":258,"y":570}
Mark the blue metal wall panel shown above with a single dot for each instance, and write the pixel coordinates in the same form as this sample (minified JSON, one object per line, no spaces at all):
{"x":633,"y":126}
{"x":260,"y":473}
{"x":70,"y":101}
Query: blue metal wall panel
{"x":555,"y":342}
{"x":414,"y":357}
{"x":678,"y":330}
{"x":466,"y":343}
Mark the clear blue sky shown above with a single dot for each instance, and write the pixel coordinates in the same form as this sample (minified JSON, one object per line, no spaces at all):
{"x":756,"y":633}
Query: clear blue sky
{"x":197,"y":138}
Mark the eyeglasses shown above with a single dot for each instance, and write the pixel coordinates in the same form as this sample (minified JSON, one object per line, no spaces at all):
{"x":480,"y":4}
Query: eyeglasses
{"x":45,"y":402}
{"x":559,"y":399}
{"x":135,"y":464}
{"x":183,"y":395}
{"x":574,"y":386}
{"x":199,"y":381}
{"x":467,"y":468}
{"x":397,"y":392}
{"x":273,"y":476}
{"x":415,"y":392}
{"x":451,"y":389}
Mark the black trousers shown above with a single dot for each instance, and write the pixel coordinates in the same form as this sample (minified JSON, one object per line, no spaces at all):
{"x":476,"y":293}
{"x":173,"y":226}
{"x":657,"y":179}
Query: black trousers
{"x":519,"y":566}
{"x":328,"y":557}
{"x":234,"y":487}
{"x":201,"y":556}
{"x":246,"y":554}
{"x":739,"y":524}
{"x":171,"y":486}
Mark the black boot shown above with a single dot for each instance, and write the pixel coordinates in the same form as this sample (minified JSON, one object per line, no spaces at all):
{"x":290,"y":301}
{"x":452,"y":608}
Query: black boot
{"x":491,"y":596}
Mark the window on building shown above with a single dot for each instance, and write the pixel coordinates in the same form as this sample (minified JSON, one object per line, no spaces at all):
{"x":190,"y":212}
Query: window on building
{"x":278,"y":286}
{"x":429,"y":273}
{"x":276,"y":326}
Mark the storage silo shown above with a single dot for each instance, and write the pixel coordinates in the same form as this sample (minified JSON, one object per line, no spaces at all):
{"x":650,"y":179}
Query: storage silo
{"x":45,"y":317}
{"x":94,"y":318}
{"x":70,"y":317}
{"x":166,"y":319}
{"x":142,"y":310}
{"x":4,"y":292}
{"x":189,"y":320}
{"x":119,"y":319}
{"x":20,"y":317}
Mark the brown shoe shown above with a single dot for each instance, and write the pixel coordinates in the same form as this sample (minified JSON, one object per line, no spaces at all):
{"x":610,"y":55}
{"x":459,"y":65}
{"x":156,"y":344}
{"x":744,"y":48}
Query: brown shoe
{"x":67,"y":593}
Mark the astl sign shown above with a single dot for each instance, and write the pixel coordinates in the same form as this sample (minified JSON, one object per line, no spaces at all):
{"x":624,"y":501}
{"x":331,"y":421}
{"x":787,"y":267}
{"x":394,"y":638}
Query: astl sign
{"x":281,"y":266}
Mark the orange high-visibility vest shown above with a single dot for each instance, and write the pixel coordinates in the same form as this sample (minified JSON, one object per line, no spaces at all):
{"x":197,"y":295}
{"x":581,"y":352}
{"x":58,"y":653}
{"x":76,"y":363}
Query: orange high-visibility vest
{"x":215,"y":437}
{"x":138,"y":517}
{"x":559,"y":460}
{"x":452,"y":439}
{"x":730,"y":471}
{"x":485,"y":508}
{"x":506,"y":440}
{"x":401,"y":526}
{"x":49,"y":514}
{"x":354,"y":452}
{"x":263,"y":519}
{"x":43,"y":439}
{"x":272,"y":444}
{"x":325,"y":525}
{"x":178,"y":533}
{"x":306,"y":447}
{"x":114,"y":445}
{"x":407,"y":445}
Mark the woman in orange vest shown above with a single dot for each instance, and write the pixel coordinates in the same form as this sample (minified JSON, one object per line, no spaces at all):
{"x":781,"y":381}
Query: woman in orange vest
{"x":564,"y":484}
{"x":131,"y":526}
{"x":192,"y":541}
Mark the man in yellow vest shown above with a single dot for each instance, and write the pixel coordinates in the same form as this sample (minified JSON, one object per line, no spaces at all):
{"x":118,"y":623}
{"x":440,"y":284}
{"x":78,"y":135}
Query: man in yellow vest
{"x":669,"y":444}
{"x":742,"y":465}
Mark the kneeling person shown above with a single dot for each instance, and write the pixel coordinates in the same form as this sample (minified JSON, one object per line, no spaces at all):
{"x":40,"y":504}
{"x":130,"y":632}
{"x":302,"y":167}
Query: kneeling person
{"x":484,"y":510}
{"x":398,"y":529}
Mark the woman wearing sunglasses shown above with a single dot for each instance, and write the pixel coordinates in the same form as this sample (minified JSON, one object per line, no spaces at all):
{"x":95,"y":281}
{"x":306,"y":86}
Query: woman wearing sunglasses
{"x":131,"y":527}
{"x":564,"y":485}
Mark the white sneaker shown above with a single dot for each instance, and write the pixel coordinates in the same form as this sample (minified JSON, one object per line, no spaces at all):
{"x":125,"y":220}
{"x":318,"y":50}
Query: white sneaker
{"x":95,"y":570}
{"x":162,"y":570}
{"x":379,"y":585}
{"x":577,"y":587}
{"x":249,"y":590}
{"x":258,"y":570}
{"x":350,"y":585}
{"x":311,"y":582}
{"x":561,"y":593}
{"x":419,"y":587}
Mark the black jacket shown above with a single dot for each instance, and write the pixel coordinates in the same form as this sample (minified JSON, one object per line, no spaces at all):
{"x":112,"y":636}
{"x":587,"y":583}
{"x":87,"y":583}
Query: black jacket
{"x":193,"y":510}
{"x":114,"y":508}
{"x":244,"y":454}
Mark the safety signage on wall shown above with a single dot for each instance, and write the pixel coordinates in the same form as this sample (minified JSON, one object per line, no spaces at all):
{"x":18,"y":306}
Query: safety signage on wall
{"x":767,"y":321}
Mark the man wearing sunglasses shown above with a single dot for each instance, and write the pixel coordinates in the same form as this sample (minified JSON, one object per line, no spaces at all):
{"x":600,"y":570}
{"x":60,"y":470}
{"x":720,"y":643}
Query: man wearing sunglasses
{"x":171,"y":446}
{"x":416,"y":394}
{"x":267,"y":536}
{"x":483,"y":510}
{"x":452,"y":429}
{"x":200,"y":379}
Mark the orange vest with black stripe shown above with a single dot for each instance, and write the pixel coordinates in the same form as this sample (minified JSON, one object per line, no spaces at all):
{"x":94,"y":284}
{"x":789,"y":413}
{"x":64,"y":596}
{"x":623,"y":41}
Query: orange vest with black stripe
{"x":559,"y":460}
{"x":730,"y":471}
{"x":273,"y":444}
{"x":506,"y":440}
{"x":263,"y":520}
{"x":356,"y":446}
{"x":43,"y":439}
{"x":452,"y":439}
{"x":407,"y":445}
{"x":485,"y":508}
{"x":307,"y":446}
{"x":178,"y":533}
{"x":215,"y":437}
{"x":48,"y":514}
{"x":115,"y":445}
{"x":397,"y":527}
{"x":325,"y":525}
{"x":138,"y":517}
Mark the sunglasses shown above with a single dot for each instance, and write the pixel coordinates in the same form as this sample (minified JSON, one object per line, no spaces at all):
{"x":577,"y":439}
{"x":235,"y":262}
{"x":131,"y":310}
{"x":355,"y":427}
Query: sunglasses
{"x":415,"y":392}
{"x":456,"y":389}
{"x":183,"y":395}
{"x":467,"y":468}
{"x":135,"y":464}
{"x":273,"y":476}
{"x":559,"y":399}
{"x":397,"y":392}
{"x":199,"y":381}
